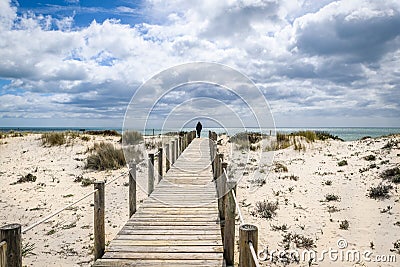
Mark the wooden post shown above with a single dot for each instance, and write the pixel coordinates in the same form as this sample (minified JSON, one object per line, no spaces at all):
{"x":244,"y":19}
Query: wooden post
{"x":247,"y":233}
{"x":222,"y":194}
{"x":229,"y":235}
{"x":172,"y":152}
{"x":167,"y":158}
{"x":11,"y":234}
{"x":176,"y":149}
{"x":3,"y":253}
{"x":150,"y":183}
{"x":160,"y":164}
{"x":132,"y":189}
{"x":99,"y":231}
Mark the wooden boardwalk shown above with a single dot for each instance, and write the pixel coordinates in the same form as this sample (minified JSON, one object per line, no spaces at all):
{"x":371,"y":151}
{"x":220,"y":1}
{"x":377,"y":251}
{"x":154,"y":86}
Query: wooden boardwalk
{"x":178,"y":224}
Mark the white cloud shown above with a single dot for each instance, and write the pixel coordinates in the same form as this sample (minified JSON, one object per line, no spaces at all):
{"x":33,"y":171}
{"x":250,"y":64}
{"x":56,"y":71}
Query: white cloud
{"x":305,"y":55}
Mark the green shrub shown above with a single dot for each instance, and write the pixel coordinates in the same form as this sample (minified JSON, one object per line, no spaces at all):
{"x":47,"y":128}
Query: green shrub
{"x":53,"y":139}
{"x":105,"y":156}
{"x":342,"y":163}
{"x":392,"y":175}
{"x":322,"y":135}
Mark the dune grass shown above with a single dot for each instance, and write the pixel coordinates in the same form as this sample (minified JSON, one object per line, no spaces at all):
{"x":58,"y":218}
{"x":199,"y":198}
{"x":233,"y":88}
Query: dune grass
{"x":54,"y":139}
{"x":132,"y":137}
{"x":105,"y":157}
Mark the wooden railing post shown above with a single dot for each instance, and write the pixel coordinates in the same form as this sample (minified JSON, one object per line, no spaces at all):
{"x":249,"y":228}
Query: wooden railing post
{"x":160,"y":164}
{"x":11,"y":234}
{"x":132,"y":189}
{"x":248,"y":233}
{"x":221,"y":201}
{"x":150,"y":183}
{"x":172,"y":152}
{"x":176,"y":148}
{"x":167,"y":158}
{"x":99,"y":231}
{"x":229,"y":235}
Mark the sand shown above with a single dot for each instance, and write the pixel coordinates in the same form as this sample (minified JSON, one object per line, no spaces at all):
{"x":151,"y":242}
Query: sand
{"x":66,"y":239}
{"x":301,"y":196}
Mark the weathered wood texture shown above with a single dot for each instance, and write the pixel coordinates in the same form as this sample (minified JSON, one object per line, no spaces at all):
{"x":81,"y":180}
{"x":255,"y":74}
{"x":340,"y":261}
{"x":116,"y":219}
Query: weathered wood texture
{"x":11,"y":251}
{"x":178,"y":224}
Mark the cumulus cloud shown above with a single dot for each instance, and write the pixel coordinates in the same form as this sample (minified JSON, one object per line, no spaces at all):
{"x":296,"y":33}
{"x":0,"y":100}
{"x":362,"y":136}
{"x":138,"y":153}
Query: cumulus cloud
{"x":304,"y":55}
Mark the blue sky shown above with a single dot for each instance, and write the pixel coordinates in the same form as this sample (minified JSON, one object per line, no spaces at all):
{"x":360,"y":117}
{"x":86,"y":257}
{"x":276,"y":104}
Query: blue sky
{"x":318,"y":63}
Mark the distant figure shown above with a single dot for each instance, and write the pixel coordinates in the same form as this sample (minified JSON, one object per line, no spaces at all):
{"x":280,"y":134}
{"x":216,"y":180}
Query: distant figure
{"x":198,"y":129}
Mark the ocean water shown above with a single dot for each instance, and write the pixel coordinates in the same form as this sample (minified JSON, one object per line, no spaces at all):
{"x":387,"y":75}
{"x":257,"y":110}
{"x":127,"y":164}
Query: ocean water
{"x":345,"y":133}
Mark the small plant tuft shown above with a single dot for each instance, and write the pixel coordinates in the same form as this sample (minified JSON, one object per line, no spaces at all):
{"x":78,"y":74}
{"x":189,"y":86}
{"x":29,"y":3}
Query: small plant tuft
{"x":265,"y":209}
{"x":344,"y":225}
{"x":299,"y":240}
{"x":331,"y":197}
{"x":381,"y":191}
{"x":370,"y":157}
{"x":342,"y":163}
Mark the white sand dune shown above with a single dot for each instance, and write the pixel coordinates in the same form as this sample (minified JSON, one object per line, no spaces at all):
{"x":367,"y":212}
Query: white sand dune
{"x":66,"y":239}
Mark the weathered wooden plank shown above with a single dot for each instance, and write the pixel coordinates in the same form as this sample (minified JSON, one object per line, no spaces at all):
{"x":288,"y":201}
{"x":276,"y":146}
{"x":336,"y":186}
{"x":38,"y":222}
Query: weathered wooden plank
{"x":169,"y":237}
{"x":129,"y":242}
{"x":166,"y":249}
{"x":163,"y":263}
{"x":164,"y":256}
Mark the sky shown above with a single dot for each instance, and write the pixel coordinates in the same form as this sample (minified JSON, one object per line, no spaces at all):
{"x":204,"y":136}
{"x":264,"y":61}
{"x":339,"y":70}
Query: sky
{"x":317,"y":63}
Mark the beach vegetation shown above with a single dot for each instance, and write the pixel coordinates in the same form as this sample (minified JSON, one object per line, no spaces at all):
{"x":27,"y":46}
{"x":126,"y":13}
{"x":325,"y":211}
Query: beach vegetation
{"x":396,"y":246}
{"x":265,"y":209}
{"x":391,"y":144}
{"x":342,"y":163}
{"x":282,"y":227}
{"x":380,"y":191}
{"x":25,"y":178}
{"x":298,"y":240}
{"x":53,"y":139}
{"x":344,"y":225}
{"x":310,"y":136}
{"x":27,"y":249}
{"x":332,"y":209}
{"x":323,"y":135}
{"x":104,"y":133}
{"x":331,"y":197}
{"x":247,"y":140}
{"x":370,"y":157}
{"x":279,"y":167}
{"x":392,"y":175}
{"x":85,"y":138}
{"x":328,"y":182}
{"x":105,"y":157}
{"x":132,"y":137}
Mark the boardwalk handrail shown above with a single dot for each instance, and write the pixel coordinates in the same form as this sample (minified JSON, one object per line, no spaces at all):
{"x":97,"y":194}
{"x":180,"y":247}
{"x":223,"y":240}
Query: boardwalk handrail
{"x":8,"y":251}
{"x":248,"y":234}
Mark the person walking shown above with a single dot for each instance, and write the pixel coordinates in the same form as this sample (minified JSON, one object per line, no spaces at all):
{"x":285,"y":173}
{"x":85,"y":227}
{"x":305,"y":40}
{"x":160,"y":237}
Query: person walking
{"x":198,"y":129}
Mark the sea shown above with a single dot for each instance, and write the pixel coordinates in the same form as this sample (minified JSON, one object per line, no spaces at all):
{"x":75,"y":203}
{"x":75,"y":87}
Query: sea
{"x":345,"y":133}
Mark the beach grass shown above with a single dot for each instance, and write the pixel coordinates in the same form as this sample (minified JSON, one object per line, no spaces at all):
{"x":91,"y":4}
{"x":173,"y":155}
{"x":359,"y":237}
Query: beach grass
{"x":105,"y":157}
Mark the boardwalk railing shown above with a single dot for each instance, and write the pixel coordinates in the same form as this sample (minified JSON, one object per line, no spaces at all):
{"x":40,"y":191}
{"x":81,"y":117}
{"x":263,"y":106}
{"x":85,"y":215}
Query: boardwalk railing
{"x":227,"y":206}
{"x":11,"y":234}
